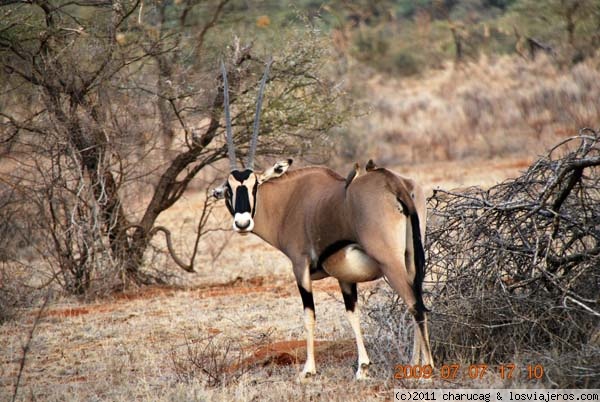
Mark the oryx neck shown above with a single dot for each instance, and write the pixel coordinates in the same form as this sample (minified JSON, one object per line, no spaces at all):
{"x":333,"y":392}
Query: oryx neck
{"x":271,"y":202}
{"x":287,"y":204}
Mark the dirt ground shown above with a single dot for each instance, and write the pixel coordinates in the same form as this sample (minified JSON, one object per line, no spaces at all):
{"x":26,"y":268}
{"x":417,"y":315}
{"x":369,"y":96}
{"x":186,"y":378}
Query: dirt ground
{"x":239,"y":318}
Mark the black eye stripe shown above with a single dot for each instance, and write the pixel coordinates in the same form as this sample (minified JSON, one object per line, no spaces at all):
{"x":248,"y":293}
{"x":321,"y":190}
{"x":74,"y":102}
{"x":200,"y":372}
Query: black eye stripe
{"x":254,"y":190}
{"x":228,"y":198}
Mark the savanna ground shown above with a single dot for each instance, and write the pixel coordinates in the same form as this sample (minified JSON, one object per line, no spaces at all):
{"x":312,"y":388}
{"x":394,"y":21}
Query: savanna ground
{"x":233,"y":330}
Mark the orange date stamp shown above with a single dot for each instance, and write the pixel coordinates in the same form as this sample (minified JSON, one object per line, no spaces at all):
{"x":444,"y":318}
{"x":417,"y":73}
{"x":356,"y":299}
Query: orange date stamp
{"x":473,"y":371}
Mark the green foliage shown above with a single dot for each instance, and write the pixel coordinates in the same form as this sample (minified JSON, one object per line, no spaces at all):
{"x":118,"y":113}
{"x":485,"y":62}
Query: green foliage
{"x":408,"y":8}
{"x":301,"y":104}
{"x":570,"y":27}
{"x":404,"y":37}
{"x":405,"y":63}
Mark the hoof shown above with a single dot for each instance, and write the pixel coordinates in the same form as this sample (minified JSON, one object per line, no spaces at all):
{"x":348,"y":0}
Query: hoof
{"x":306,"y":376}
{"x":363,"y":371}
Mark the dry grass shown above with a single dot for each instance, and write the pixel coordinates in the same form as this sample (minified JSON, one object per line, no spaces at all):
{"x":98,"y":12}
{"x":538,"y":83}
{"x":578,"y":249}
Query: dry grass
{"x":493,"y":108}
{"x":123,"y":349}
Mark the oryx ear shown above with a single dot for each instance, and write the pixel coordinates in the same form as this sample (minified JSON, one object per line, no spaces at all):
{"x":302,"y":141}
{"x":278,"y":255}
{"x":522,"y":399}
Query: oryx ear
{"x":278,"y":169}
{"x":370,"y":166}
{"x":219,"y":192}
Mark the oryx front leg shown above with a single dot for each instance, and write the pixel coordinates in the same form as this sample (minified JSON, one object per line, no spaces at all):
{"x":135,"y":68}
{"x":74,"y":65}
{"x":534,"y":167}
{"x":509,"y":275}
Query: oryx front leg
{"x":350,"y":294}
{"x":309,"y":324}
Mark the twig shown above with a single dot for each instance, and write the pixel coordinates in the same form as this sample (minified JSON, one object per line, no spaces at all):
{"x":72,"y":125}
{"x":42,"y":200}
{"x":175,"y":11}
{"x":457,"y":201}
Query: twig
{"x":37,"y":320}
{"x":594,"y":312}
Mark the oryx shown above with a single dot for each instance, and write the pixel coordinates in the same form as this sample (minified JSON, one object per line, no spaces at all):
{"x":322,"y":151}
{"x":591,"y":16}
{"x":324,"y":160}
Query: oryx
{"x":355,"y":230}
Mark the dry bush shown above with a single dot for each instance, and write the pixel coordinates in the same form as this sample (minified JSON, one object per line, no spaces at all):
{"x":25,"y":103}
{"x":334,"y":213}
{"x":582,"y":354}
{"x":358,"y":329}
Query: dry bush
{"x":214,"y":359}
{"x":12,"y":293}
{"x":388,"y":330}
{"x":102,"y":154}
{"x":517,"y":266}
{"x":17,"y":233}
{"x":18,"y":239}
{"x":515,"y":269}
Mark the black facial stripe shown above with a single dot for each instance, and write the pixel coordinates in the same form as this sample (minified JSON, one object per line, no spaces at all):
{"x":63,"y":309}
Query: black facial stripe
{"x":228,"y":195}
{"x":254,"y":190}
{"x":242,"y":200}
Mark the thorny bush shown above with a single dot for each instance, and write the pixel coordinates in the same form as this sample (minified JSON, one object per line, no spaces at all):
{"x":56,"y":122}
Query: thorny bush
{"x":517,"y":266}
{"x":514,"y":270}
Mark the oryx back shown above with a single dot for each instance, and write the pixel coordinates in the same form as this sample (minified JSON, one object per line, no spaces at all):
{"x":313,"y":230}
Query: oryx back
{"x":355,"y":233}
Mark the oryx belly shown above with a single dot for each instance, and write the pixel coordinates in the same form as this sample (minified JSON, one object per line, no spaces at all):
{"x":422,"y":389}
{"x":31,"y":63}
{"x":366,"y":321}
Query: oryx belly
{"x":352,"y":264}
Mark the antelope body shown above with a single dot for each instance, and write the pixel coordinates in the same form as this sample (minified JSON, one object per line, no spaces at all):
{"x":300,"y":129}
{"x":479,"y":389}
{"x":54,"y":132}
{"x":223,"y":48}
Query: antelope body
{"x":355,"y":230}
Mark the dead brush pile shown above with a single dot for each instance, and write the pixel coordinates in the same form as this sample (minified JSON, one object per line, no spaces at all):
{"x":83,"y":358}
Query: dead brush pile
{"x":518,"y":267}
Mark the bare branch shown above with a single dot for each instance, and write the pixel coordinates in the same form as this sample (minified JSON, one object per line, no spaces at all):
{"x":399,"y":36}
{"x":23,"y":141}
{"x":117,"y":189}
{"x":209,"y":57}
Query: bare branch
{"x":36,"y":321}
{"x":534,"y":264}
{"x":206,"y":28}
{"x":187,"y":267}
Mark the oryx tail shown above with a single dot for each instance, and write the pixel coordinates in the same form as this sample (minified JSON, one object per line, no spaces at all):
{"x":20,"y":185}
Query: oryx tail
{"x":419,"y":254}
{"x":409,"y":209}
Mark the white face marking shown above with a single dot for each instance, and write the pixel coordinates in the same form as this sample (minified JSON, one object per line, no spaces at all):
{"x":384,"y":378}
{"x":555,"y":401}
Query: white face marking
{"x":243,"y":222}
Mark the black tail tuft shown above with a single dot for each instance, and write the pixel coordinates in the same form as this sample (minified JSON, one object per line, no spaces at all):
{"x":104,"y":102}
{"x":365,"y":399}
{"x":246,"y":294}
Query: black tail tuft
{"x":419,"y":261}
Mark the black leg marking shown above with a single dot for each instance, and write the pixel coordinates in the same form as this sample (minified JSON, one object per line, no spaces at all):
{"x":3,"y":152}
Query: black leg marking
{"x":307,"y":298}
{"x":351,"y":298}
{"x":418,"y":313}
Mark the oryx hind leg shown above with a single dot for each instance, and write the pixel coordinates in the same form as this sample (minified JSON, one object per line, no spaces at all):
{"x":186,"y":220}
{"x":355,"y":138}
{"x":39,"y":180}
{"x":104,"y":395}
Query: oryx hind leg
{"x":401,"y":284}
{"x":350,"y":294}
{"x":387,"y":244}
{"x":421,"y":346}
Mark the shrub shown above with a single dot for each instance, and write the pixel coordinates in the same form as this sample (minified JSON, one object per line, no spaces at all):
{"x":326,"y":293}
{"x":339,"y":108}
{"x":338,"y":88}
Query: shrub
{"x":514,"y":269}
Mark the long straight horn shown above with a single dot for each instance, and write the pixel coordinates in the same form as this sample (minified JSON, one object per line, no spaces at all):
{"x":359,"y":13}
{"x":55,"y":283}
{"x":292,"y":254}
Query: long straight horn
{"x":250,"y":163}
{"x":230,"y":146}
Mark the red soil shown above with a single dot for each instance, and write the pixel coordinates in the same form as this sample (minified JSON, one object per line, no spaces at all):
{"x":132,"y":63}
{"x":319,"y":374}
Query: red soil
{"x":285,"y":353}
{"x":239,"y":286}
